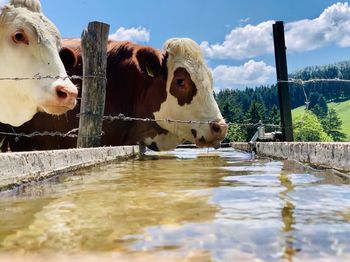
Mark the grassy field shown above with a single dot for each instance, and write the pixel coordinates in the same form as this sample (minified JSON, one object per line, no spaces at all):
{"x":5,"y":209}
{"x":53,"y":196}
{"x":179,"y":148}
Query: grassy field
{"x":343,"y":110}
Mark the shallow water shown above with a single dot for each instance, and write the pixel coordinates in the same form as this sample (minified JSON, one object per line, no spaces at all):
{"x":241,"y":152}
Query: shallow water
{"x":186,"y":205}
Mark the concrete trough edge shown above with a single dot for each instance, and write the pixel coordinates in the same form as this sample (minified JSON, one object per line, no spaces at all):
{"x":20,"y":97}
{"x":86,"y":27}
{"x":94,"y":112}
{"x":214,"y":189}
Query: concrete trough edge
{"x":324,"y":155}
{"x":17,"y":169}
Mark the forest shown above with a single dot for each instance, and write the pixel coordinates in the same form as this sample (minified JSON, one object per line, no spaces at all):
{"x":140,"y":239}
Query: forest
{"x":249,"y":106}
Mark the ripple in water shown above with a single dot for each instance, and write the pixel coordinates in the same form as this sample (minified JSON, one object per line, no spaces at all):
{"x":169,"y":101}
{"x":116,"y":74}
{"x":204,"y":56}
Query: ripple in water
{"x":185,"y":205}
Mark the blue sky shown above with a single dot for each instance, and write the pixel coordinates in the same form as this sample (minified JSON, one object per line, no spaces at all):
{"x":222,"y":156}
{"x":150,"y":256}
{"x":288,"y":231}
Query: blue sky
{"x":235,"y":35}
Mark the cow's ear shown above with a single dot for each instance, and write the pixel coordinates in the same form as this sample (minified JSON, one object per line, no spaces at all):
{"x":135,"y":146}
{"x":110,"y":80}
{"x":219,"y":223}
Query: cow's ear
{"x":68,"y":57}
{"x":149,"y":62}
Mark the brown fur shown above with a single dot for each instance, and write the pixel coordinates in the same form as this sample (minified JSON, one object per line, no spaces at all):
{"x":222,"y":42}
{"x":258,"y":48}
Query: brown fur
{"x":131,"y":91}
{"x":182,"y":87}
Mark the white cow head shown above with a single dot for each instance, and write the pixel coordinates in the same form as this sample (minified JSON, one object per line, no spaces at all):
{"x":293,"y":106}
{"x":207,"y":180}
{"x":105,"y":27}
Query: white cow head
{"x":29,"y":46}
{"x":189,"y":97}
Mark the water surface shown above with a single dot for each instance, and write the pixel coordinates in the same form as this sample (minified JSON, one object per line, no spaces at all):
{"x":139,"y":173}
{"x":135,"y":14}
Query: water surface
{"x":186,"y":205}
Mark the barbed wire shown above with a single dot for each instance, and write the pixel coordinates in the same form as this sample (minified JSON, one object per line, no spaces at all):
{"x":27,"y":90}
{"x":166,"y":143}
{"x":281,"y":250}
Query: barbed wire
{"x":314,"y":80}
{"x":121,"y":117}
{"x":37,"y":133}
{"x":43,"y":77}
{"x":79,"y":77}
{"x":190,"y":122}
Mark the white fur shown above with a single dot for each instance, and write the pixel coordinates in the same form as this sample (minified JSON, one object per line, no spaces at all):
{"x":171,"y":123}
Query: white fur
{"x":184,"y":52}
{"x":32,"y":5}
{"x":164,"y":142}
{"x":20,"y":100}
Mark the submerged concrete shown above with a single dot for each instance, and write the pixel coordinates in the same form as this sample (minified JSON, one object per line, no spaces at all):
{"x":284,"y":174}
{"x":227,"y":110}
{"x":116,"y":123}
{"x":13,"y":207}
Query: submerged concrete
{"x":328,"y":155}
{"x":20,"y":168}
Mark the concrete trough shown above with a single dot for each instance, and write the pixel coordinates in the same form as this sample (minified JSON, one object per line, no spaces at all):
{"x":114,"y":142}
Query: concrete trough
{"x":327,"y":155}
{"x":20,"y":168}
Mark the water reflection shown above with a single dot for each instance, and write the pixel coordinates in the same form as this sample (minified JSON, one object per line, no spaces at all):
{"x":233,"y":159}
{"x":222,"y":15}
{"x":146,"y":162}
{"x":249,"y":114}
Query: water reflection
{"x":109,"y":208}
{"x":186,"y":205}
{"x":288,"y":217}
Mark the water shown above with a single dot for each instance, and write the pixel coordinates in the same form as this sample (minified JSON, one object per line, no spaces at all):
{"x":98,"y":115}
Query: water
{"x":186,"y":205}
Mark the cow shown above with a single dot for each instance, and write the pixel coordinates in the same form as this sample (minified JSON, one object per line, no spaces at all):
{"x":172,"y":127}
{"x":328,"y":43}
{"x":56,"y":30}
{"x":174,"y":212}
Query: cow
{"x":29,"y":50}
{"x":142,"y":82}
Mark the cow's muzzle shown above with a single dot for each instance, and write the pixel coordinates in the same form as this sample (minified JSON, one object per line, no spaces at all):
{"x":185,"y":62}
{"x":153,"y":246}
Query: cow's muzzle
{"x":64,"y":99}
{"x":217,"y":133}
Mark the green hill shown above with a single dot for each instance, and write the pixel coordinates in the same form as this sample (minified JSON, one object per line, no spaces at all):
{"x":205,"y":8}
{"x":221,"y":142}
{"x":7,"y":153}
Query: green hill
{"x":342,"y":108}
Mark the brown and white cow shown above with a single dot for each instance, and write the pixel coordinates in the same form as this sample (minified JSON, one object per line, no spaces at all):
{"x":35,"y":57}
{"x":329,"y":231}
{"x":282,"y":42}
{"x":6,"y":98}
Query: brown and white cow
{"x":142,"y":82}
{"x":29,"y":46}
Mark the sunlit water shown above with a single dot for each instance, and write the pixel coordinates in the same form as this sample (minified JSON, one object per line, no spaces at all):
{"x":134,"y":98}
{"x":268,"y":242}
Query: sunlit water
{"x":187,"y":205}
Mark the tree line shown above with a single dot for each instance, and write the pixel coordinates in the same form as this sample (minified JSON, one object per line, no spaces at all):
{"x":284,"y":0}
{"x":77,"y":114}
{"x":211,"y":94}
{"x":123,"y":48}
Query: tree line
{"x":251,"y":105}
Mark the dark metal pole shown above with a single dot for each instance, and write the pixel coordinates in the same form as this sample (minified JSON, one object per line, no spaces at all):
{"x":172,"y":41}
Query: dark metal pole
{"x":282,"y":75}
{"x":94,"y":51}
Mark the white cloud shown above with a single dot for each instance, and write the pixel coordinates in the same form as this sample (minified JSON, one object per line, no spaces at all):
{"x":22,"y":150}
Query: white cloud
{"x":252,"y":73}
{"x":139,"y":34}
{"x":331,"y":27}
{"x":243,"y":42}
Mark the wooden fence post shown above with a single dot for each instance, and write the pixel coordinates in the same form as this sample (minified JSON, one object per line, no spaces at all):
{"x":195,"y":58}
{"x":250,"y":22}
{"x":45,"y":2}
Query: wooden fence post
{"x":282,"y":75}
{"x":94,"y":53}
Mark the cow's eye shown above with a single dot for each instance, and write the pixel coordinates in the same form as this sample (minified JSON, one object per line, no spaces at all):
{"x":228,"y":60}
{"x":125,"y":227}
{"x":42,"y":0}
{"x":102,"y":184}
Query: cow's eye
{"x":20,"y":37}
{"x":180,"y":82}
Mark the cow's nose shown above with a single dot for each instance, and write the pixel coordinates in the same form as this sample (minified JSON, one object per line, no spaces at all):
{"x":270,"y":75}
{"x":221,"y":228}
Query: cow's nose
{"x":219,"y":129}
{"x":67,"y":95}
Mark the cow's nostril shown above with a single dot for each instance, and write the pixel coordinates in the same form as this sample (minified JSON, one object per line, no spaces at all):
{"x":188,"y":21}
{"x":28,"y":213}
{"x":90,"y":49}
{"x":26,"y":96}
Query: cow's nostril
{"x":216,"y":127}
{"x":61,"y":94}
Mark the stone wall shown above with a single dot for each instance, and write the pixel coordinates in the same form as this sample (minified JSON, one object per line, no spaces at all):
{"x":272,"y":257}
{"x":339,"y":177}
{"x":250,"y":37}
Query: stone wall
{"x":329,"y":155}
{"x":20,"y":168}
